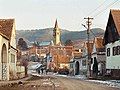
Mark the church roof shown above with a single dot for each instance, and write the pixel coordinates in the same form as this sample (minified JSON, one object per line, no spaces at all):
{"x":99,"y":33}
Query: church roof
{"x":6,"y":26}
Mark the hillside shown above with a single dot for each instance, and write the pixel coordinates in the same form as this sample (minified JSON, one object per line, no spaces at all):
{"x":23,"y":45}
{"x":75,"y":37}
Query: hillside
{"x":46,"y":34}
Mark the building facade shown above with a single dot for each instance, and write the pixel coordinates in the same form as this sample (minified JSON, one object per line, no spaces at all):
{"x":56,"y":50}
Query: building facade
{"x":8,"y":56}
{"x":112,"y":43}
{"x":98,"y":54}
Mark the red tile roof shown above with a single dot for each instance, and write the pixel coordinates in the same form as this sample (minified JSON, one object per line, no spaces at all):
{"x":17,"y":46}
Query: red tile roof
{"x":90,"y":45}
{"x":98,"y":42}
{"x":116,"y":18}
{"x":6,"y":26}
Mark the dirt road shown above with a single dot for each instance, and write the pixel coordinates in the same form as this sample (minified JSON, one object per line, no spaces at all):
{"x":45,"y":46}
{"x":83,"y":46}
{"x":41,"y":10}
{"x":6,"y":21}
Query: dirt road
{"x":73,"y":84}
{"x":53,"y":83}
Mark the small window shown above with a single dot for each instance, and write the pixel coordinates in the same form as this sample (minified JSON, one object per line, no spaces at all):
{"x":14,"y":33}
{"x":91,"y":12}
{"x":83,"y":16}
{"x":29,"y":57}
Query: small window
{"x":108,"y":51}
{"x":83,"y":62}
{"x":118,"y":50}
{"x":114,"y":51}
{"x":12,"y":58}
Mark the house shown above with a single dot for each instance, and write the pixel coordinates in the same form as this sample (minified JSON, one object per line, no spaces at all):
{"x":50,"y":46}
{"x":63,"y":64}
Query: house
{"x":98,"y":55}
{"x":112,"y":44}
{"x":33,"y":53}
{"x":75,"y":63}
{"x":8,"y":50}
{"x":61,"y":55}
{"x":79,"y":63}
{"x":44,"y":52}
{"x":87,"y":51}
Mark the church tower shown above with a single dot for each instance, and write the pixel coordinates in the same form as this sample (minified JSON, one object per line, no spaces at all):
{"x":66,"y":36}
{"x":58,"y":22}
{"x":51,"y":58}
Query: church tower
{"x":56,"y":34}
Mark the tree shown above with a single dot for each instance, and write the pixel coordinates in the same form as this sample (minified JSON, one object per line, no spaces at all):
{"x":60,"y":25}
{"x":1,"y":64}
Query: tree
{"x":68,"y":42}
{"x":25,"y":64}
{"x":22,"y":45}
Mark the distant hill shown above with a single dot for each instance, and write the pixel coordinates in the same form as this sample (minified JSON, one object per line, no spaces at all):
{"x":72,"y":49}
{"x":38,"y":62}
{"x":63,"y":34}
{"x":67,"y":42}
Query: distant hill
{"x":46,"y":34}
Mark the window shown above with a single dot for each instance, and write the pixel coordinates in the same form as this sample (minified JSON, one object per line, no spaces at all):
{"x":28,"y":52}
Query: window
{"x":12,"y":58}
{"x":114,"y":51}
{"x":108,"y":51}
{"x":83,"y":62}
{"x":118,"y":50}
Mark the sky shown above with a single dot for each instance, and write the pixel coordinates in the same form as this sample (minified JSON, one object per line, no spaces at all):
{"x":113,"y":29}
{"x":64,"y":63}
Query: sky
{"x":39,"y":14}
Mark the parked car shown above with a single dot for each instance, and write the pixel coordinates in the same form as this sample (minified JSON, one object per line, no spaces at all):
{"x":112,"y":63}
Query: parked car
{"x":64,"y":71}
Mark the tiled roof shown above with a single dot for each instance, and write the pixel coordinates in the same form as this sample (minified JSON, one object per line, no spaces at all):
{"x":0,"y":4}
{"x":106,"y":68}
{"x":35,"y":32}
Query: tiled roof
{"x":90,"y":46}
{"x":77,"y":54}
{"x":6,"y":26}
{"x":99,"y":42}
{"x":116,"y":18}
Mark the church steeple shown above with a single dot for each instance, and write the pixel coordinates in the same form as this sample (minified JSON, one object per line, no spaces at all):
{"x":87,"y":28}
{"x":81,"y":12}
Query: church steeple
{"x":56,"y":24}
{"x":56,"y":34}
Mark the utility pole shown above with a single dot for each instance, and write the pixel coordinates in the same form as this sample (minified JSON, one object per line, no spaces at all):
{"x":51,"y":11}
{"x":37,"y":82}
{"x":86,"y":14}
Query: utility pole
{"x":88,"y":23}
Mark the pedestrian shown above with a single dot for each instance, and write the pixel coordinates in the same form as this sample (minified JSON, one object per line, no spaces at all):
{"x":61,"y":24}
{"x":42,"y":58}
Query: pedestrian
{"x":38,"y":71}
{"x":42,"y":70}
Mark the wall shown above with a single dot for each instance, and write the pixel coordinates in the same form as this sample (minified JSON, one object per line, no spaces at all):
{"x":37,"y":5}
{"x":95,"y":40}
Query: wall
{"x":3,"y":41}
{"x":13,"y":36}
{"x":113,"y":62}
{"x":20,"y":71}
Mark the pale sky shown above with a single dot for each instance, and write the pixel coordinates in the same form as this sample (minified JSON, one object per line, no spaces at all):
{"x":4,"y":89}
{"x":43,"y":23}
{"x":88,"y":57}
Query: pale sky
{"x":39,"y":14}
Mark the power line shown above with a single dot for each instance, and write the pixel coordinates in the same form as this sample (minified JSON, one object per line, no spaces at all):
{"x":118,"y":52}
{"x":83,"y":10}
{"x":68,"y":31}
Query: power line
{"x":95,"y":37}
{"x":97,"y":8}
{"x":113,"y":3}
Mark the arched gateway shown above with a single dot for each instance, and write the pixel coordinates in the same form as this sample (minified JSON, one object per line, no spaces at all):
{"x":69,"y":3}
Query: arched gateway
{"x":77,"y":68}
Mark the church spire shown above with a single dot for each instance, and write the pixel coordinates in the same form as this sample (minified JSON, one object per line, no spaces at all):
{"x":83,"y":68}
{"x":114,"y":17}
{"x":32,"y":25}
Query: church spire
{"x":56,"y":24}
{"x":56,"y":34}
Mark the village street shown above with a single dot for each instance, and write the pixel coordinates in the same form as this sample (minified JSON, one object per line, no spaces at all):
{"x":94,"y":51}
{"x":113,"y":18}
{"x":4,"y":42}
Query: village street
{"x":52,"y":83}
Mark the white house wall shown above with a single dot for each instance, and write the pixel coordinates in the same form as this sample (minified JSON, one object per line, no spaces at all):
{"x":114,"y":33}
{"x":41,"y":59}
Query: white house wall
{"x":13,"y":51}
{"x":94,"y":49}
{"x":81,"y":67}
{"x":113,"y":62}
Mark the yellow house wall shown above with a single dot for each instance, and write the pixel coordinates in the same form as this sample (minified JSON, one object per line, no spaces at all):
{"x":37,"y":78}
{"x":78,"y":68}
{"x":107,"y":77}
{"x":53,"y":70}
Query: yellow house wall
{"x":13,"y":65}
{"x":13,"y":51}
{"x":3,"y":41}
{"x":13,"y":37}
